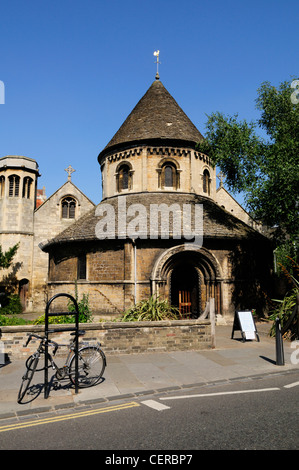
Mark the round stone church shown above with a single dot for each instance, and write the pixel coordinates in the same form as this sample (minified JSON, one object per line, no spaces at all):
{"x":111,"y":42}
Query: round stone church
{"x":162,"y":228}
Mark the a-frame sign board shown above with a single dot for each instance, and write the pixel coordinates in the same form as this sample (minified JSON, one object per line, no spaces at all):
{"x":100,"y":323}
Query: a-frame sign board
{"x":244,"y":322}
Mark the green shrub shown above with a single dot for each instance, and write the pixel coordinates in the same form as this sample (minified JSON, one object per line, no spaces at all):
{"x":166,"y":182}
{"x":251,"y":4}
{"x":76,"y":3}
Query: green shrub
{"x":284,"y":310}
{"x":59,"y":319}
{"x":85,"y":315}
{"x":152,"y":309}
{"x":13,"y":307}
{"x":11,"y":320}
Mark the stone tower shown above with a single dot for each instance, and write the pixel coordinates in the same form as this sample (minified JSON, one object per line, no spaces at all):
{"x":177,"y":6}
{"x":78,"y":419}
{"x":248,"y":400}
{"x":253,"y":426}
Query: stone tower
{"x":18,"y":182}
{"x":29,"y":218}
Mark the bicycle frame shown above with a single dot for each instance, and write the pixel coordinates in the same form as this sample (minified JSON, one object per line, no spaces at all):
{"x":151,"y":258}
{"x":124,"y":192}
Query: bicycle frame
{"x":65,"y":365}
{"x":41,"y":350}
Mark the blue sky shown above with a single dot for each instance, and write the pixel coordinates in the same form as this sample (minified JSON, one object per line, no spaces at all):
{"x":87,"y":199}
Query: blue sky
{"x":73,"y":70}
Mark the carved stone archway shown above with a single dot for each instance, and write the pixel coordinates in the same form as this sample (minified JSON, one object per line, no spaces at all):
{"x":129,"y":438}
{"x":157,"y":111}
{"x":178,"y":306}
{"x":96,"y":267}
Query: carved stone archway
{"x":188,"y":268}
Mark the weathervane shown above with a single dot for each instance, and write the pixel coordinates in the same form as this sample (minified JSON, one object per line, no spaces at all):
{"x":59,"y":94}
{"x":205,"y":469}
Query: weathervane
{"x":156,"y":54}
{"x":69,"y":171}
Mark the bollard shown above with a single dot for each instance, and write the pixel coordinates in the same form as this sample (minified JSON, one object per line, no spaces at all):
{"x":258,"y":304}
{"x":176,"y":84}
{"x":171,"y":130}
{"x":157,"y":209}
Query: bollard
{"x":279,"y":343}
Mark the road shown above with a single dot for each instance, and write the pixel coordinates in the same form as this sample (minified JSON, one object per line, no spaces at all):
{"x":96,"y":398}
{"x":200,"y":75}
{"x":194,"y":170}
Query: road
{"x":245,"y":415}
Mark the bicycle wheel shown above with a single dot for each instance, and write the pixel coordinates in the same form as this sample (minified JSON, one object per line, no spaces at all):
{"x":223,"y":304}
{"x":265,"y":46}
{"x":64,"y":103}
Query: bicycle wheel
{"x":31,"y":365}
{"x":91,"y":366}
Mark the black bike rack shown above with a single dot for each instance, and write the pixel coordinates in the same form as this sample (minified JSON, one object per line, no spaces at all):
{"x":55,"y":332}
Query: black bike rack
{"x":56,"y":330}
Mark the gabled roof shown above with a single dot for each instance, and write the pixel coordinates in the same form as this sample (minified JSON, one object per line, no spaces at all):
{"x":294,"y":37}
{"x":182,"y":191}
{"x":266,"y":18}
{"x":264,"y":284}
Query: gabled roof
{"x":157,"y":116}
{"x":59,"y":189}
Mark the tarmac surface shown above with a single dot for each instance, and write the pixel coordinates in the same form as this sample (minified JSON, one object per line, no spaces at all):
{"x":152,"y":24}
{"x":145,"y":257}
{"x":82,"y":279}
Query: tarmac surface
{"x":135,"y":375}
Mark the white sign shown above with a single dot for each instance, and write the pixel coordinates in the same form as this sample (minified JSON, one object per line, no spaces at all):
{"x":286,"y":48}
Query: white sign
{"x":247,"y":324}
{"x":244,"y":321}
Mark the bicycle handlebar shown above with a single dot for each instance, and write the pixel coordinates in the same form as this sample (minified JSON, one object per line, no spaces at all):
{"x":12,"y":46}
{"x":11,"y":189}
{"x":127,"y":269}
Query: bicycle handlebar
{"x":30,"y":336}
{"x":42,"y":338}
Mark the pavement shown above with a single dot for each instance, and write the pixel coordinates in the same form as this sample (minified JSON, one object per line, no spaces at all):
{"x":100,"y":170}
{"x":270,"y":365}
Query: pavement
{"x":134,"y":375}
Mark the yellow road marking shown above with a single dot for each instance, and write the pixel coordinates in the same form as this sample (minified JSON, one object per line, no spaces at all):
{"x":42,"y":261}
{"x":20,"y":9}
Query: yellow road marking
{"x":55,"y":419}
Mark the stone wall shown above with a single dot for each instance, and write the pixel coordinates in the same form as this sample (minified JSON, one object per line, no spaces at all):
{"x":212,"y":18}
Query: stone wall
{"x":111,"y":281}
{"x":117,"y":337}
{"x":145,"y":162}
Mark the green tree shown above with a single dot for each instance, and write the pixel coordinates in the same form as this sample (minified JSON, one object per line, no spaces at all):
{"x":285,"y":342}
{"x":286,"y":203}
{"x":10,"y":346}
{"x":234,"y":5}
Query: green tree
{"x":9,"y":303}
{"x":6,"y":257}
{"x":265,"y":168}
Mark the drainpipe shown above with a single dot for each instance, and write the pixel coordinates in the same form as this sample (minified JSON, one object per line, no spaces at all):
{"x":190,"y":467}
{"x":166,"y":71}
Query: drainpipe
{"x":213,"y":321}
{"x":135,"y":268}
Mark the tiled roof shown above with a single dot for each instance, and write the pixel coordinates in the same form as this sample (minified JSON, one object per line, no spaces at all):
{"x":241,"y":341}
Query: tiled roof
{"x":156,"y":116}
{"x":217,"y":222}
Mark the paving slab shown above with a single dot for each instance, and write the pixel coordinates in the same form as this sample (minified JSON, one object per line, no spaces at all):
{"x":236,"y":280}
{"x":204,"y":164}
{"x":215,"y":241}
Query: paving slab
{"x":134,"y":375}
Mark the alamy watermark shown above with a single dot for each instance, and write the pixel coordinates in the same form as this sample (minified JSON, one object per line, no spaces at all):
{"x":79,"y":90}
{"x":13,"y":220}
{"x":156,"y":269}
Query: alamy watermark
{"x":2,"y":92}
{"x":295,"y":355}
{"x":295,"y":94}
{"x":154,"y":221}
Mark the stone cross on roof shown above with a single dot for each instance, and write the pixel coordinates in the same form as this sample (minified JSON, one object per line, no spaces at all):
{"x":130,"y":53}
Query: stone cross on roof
{"x":69,"y":171}
{"x":221,"y":177}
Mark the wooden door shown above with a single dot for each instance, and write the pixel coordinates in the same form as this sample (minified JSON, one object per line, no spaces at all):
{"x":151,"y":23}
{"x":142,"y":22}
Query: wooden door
{"x":23,"y":292}
{"x":185,"y":302}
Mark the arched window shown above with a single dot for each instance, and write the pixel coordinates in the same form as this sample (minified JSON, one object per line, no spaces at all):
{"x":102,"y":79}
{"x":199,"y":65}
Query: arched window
{"x":206,"y":183}
{"x":2,"y":186}
{"x":169,"y":175}
{"x":68,"y":208}
{"x":124,"y":177}
{"x":14,"y":185}
{"x":27,"y":183}
{"x":81,"y":267}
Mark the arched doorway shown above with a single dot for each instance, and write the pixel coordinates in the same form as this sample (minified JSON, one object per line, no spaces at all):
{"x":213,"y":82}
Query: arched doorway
{"x":184,"y":289}
{"x":190,"y":276}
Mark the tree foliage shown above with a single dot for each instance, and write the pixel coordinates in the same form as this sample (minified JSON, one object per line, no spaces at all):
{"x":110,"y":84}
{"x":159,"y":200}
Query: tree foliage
{"x":264,"y":168}
{"x":7,"y":256}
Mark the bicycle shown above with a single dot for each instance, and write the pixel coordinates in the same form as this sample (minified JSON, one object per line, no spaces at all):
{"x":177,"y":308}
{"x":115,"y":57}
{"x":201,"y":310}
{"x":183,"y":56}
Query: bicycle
{"x":91,"y":363}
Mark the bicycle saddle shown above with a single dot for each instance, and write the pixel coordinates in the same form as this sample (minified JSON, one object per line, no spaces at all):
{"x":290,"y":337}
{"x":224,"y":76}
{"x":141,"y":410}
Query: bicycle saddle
{"x":80,"y":333}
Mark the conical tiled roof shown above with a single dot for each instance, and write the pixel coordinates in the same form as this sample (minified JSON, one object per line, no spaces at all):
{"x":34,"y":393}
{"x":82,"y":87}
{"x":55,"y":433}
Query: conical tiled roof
{"x":156,"y":116}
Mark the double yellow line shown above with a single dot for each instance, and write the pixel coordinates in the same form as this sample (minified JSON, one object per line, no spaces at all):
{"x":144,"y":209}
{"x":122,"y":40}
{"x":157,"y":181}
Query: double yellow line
{"x":55,"y":419}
